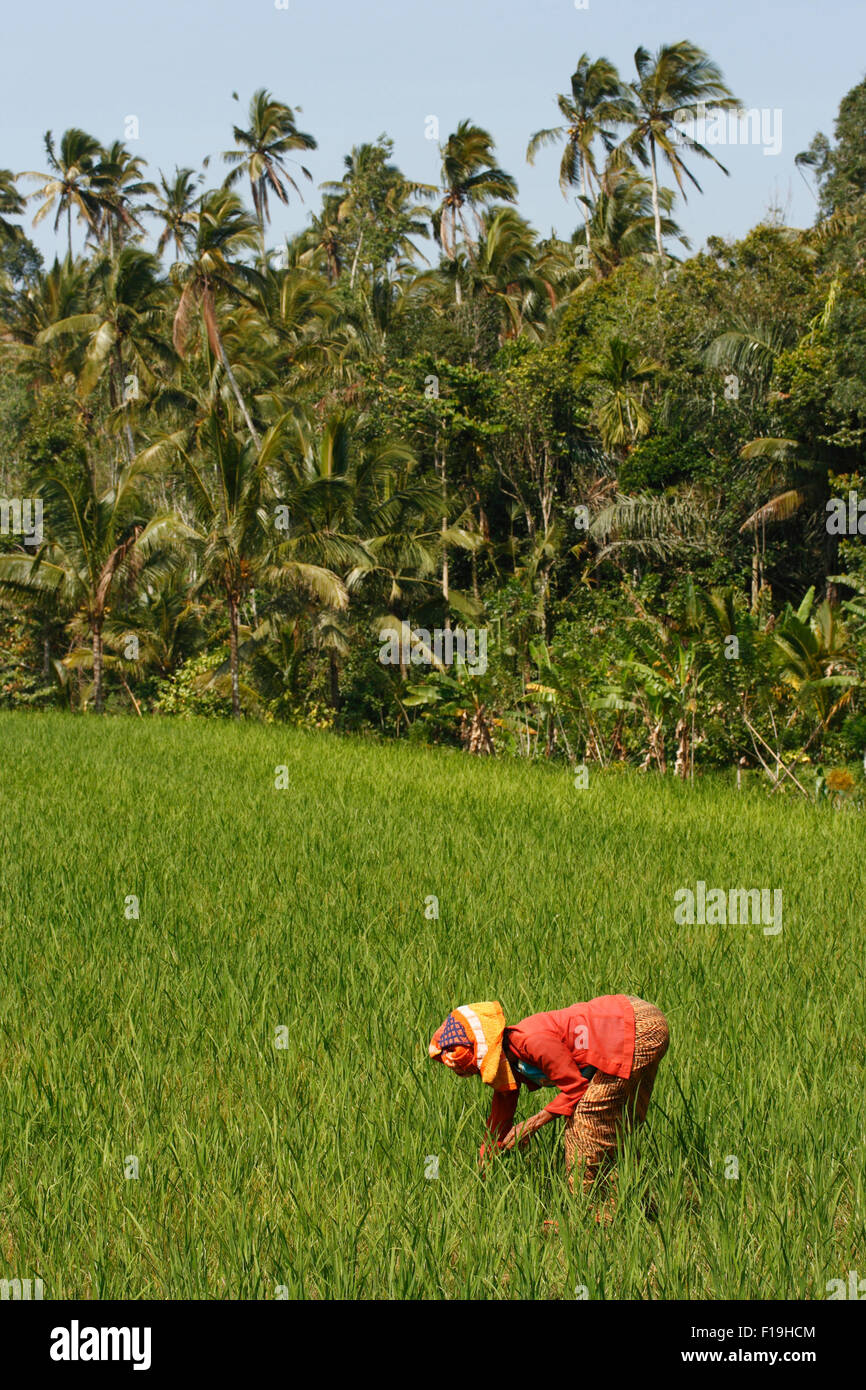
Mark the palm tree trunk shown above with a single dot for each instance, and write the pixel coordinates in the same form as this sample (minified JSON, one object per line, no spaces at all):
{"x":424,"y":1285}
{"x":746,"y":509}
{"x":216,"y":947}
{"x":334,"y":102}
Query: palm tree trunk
{"x":233,"y":655}
{"x":216,"y":343}
{"x":444,"y":529}
{"x":657,"y":217}
{"x":97,"y":666}
{"x":583,"y":189}
{"x":467,"y":240}
{"x":118,"y":361}
{"x":238,"y":397}
{"x":449,"y":216}
{"x":355,"y":261}
{"x":69,"y":229}
{"x":260,"y":218}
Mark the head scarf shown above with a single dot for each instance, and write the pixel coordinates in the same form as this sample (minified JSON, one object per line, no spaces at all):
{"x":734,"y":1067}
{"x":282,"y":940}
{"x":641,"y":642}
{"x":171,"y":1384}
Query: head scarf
{"x":454,"y":1045}
{"x":471,"y":1039}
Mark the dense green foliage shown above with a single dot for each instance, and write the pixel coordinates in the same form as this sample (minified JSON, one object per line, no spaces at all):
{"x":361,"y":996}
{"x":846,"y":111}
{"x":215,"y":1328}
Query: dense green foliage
{"x":615,"y":465}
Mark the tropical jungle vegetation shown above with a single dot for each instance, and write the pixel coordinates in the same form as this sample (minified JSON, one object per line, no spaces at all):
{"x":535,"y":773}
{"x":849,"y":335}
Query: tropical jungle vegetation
{"x":616,"y":459}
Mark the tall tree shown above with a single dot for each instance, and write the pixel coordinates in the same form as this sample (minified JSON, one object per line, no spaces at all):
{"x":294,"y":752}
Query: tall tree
{"x":20,"y":262}
{"x":98,"y":540}
{"x":234,"y":505}
{"x":125,"y":329}
{"x":470,"y":180}
{"x":58,"y":293}
{"x":263,"y":147}
{"x":840,"y":168}
{"x":122,"y":186}
{"x":70,"y":184}
{"x":597,"y":104}
{"x":176,"y":208}
{"x":673,"y":86}
{"x":375,"y":212}
{"x":321,"y":244}
{"x":223,"y":231}
{"x":513,"y":274}
{"x":621,"y":220}
{"x":11,"y":205}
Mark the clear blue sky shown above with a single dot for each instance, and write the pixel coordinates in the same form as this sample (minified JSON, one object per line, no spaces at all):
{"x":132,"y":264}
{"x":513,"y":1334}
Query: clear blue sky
{"x":361,"y":67}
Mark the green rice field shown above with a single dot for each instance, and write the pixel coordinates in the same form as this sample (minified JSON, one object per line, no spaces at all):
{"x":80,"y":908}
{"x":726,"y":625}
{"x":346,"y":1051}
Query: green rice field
{"x":253,"y":1044}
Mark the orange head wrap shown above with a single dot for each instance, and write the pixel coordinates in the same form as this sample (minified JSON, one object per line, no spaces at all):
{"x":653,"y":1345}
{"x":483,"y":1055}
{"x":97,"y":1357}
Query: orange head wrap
{"x":470,"y":1040}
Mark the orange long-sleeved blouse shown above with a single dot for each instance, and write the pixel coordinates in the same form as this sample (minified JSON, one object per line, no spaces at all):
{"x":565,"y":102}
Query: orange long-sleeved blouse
{"x":599,"y":1034}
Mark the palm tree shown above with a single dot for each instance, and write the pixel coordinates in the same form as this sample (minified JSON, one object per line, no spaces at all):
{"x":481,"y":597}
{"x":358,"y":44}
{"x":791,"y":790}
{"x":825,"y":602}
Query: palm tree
{"x":272,"y":134}
{"x":167,"y":620}
{"x":322,"y":242}
{"x":11,"y":204}
{"x":511,"y":272}
{"x":598,"y":101}
{"x":351,"y":505}
{"x":120,"y":181}
{"x":470,"y":179}
{"x":622,"y":378}
{"x":620,"y":221}
{"x":70,"y":183}
{"x":176,"y":208}
{"x":371,"y":509}
{"x":298,"y":310}
{"x":751,"y":347}
{"x":59,"y":293}
{"x":233,"y":499}
{"x":671,"y":86}
{"x":647,"y":525}
{"x":125,"y":328}
{"x":98,"y":542}
{"x":223,"y":230}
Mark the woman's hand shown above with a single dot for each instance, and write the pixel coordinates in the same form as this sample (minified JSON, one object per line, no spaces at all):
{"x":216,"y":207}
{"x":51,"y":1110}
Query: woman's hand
{"x":521,"y":1134}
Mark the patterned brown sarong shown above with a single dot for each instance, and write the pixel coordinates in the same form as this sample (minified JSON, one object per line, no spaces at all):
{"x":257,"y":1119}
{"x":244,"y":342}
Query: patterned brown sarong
{"x":611,"y":1104}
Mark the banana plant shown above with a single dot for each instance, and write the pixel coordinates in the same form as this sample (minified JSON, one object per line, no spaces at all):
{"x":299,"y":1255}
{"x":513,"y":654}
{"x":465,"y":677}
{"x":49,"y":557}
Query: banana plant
{"x":816,"y":660}
{"x":668,"y":679}
{"x":457,"y":693}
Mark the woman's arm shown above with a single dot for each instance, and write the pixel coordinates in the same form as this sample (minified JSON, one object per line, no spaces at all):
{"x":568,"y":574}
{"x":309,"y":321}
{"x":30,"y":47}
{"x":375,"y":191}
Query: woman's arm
{"x":501,"y":1121}
{"x":521,"y":1134}
{"x":502,"y":1113}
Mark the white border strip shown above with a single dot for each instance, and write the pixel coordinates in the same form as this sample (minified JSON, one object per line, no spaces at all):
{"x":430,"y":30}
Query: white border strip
{"x":475,"y":1023}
